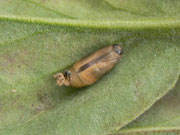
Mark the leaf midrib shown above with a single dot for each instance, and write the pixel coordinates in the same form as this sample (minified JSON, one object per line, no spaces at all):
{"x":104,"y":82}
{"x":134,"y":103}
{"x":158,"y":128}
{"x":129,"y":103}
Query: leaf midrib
{"x":146,"y":23}
{"x":149,"y":130}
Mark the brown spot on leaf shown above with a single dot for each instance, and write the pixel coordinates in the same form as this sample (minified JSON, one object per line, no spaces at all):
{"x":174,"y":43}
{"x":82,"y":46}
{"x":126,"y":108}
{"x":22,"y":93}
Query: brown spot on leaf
{"x":20,"y":107}
{"x":44,"y":102}
{"x":138,"y":86}
{"x":10,"y":60}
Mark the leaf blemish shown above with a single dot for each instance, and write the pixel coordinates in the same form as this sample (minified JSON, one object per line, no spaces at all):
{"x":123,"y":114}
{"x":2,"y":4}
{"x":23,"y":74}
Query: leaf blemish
{"x":44,"y":102}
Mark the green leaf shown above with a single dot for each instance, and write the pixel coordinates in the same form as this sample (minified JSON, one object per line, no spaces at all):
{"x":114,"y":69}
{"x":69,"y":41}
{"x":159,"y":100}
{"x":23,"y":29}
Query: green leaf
{"x":24,"y":8}
{"x":34,"y":46}
{"x":91,"y":9}
{"x":162,"y":118}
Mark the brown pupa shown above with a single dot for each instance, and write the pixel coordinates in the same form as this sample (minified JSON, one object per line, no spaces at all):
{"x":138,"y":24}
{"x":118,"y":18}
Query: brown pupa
{"x":90,"y":69}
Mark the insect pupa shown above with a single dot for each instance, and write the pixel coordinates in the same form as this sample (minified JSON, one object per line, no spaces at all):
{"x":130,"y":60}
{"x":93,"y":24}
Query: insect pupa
{"x":90,"y":69}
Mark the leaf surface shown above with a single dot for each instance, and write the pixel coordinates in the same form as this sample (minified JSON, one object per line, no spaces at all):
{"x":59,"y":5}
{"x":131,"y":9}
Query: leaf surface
{"x":49,"y":37}
{"x":162,"y":118}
